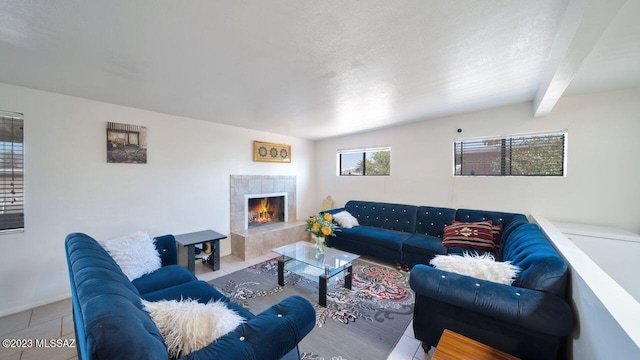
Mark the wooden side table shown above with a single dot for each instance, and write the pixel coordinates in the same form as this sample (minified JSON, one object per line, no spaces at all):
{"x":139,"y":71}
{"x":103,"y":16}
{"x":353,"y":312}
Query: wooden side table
{"x":189,"y":240}
{"x":453,"y":346}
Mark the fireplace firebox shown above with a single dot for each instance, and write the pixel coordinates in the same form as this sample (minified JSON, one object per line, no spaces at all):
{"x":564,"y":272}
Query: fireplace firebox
{"x":261,"y":209}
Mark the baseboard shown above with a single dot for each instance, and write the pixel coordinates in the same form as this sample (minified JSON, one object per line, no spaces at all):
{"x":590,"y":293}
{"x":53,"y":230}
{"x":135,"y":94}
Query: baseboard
{"x":6,"y":312}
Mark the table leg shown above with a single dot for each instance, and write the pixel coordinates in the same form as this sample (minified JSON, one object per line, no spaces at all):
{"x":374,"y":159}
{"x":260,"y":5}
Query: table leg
{"x":214,"y":257}
{"x":281,"y":263}
{"x":322,"y":291}
{"x":191,"y":258}
{"x":348,"y":276}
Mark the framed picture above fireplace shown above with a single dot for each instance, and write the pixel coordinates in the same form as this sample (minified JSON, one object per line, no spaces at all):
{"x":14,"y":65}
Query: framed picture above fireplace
{"x":270,"y":152}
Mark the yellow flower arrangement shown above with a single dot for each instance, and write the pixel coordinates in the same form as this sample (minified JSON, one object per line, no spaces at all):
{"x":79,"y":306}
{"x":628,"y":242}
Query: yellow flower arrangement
{"x":321,"y":225}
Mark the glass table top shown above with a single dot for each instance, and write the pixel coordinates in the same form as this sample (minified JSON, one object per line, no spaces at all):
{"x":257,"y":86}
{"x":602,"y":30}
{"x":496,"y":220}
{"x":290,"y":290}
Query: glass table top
{"x":331,"y":259}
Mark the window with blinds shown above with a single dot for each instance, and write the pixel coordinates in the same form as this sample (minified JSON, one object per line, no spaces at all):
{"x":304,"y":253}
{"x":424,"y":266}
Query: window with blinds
{"x":522,"y":155}
{"x":11,"y":172}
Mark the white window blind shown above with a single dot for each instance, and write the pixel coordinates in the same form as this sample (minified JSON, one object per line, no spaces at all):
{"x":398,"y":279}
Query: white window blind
{"x":522,"y":155}
{"x":11,"y":172}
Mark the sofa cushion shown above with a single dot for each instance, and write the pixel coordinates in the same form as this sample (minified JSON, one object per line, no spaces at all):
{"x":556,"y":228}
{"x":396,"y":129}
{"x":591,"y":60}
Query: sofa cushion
{"x":542,"y":268}
{"x":432,"y":220}
{"x":164,"y":277}
{"x":424,"y":244}
{"x":474,"y":235}
{"x":369,"y":235}
{"x":197,"y":290}
{"x":389,"y":216}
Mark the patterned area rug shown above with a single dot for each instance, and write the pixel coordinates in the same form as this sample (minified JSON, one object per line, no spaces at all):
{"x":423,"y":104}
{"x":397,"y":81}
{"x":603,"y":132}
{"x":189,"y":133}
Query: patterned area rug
{"x":363,"y":323}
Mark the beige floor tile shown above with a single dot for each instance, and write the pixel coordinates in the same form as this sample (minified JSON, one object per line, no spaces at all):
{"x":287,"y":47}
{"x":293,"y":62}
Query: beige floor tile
{"x":51,"y":311}
{"x":405,"y":349}
{"x":67,"y":325}
{"x":51,"y":352}
{"x":48,"y":330}
{"x":409,"y":331}
{"x":15,"y":356}
{"x":15,"y":322}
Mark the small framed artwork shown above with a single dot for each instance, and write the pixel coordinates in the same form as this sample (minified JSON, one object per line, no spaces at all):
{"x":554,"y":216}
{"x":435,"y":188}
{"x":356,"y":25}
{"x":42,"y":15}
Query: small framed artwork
{"x":126,"y":143}
{"x":264,"y":151}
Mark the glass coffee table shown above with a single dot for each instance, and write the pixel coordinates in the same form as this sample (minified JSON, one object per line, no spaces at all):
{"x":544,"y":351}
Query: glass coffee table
{"x":302,"y":258}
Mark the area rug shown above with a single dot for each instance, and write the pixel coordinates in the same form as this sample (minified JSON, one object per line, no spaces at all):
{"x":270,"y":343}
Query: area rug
{"x":363,"y":323}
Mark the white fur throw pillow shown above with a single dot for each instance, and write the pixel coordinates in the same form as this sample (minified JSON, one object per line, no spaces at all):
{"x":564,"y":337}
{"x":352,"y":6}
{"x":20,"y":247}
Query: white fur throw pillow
{"x":478,"y":266}
{"x":345,"y":219}
{"x":187,"y":325}
{"x":136,"y":254}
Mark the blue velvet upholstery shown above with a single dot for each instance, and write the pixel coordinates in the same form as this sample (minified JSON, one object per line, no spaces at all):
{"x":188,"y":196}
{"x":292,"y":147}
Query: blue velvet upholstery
{"x":167,"y":248}
{"x":110,"y":323}
{"x":528,"y":319}
{"x":432,"y":220}
{"x":420,"y":249}
{"x":384,"y":215}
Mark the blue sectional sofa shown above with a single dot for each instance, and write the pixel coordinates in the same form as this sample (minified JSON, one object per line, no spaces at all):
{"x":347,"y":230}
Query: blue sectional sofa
{"x":408,"y":234}
{"x":528,"y":319}
{"x":111,"y":324}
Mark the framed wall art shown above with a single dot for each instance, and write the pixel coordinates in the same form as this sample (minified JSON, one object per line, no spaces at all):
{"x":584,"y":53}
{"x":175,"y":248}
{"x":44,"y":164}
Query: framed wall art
{"x":126,"y":143}
{"x":270,"y":152}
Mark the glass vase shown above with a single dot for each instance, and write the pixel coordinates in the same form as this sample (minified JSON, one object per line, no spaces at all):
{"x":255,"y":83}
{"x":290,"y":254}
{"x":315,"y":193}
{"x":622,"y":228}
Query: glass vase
{"x":319,"y":243}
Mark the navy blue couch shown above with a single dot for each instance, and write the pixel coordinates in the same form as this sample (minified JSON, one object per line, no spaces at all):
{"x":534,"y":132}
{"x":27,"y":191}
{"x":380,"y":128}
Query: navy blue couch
{"x":111,"y":324}
{"x":528,"y":319}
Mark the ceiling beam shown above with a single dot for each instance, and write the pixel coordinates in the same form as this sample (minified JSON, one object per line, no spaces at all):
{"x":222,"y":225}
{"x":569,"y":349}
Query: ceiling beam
{"x":582,"y":26}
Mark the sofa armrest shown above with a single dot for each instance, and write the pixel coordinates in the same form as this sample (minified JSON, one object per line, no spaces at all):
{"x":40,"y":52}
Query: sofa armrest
{"x":167,"y":248}
{"x":270,"y":335}
{"x":531,"y":309}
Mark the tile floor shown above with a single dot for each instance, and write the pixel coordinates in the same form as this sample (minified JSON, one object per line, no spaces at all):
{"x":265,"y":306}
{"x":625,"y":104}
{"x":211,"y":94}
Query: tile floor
{"x":54,"y":321}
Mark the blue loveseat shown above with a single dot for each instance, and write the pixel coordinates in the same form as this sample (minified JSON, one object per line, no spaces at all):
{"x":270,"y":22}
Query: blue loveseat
{"x":528,"y":319}
{"x":111,"y":324}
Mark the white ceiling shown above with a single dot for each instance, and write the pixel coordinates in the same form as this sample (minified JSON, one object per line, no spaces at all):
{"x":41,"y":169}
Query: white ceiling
{"x":318,"y":69}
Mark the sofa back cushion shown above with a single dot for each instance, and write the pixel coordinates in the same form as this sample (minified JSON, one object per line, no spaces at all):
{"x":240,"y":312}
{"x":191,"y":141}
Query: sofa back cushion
{"x":542,"y":268}
{"x":432,"y":220}
{"x":107,"y":308}
{"x":396,"y":217}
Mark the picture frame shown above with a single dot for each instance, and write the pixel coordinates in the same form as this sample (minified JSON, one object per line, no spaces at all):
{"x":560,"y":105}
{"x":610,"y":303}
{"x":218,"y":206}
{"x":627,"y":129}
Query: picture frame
{"x":271,"y":152}
{"x":126,"y":143}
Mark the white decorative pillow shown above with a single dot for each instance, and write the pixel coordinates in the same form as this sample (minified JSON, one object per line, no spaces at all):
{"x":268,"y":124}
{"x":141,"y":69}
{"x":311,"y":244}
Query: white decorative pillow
{"x":187,"y":325}
{"x":478,"y":266}
{"x":345,"y":219}
{"x":136,"y":254}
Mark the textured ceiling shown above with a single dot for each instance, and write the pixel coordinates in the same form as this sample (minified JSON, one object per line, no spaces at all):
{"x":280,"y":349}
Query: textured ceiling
{"x":314,"y":69}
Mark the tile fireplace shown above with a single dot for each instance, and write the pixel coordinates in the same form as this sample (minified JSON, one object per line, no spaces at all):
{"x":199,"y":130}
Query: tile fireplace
{"x":263,"y":214}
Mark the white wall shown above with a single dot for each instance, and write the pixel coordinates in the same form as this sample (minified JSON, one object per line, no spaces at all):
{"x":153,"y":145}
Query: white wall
{"x":600,"y":186}
{"x":70,"y":187}
{"x":606,"y":317}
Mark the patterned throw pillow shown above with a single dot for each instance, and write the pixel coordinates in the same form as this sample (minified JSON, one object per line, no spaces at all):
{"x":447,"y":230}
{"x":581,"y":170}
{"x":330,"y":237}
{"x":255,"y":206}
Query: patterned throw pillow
{"x":475,"y":235}
{"x":495,"y":229}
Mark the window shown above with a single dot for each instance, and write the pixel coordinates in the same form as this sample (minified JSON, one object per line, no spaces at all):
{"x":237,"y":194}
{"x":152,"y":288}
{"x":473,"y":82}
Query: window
{"x":11,"y":172}
{"x":523,"y":155}
{"x":365,"y":162}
